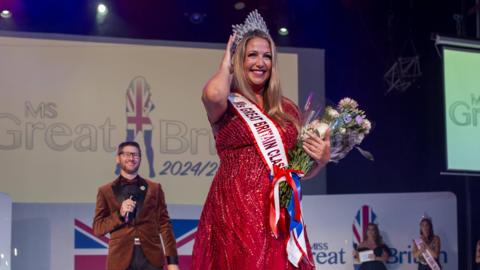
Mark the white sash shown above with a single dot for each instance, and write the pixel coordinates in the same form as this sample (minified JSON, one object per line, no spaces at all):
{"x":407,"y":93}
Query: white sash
{"x":428,"y":256}
{"x":266,"y":134}
{"x":269,"y":144}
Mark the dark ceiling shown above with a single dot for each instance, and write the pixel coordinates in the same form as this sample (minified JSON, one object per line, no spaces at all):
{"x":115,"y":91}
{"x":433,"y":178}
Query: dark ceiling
{"x":321,"y":24}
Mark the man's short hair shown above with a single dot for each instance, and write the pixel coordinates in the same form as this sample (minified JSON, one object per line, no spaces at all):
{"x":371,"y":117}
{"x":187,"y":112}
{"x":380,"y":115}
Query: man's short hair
{"x":128,"y":143}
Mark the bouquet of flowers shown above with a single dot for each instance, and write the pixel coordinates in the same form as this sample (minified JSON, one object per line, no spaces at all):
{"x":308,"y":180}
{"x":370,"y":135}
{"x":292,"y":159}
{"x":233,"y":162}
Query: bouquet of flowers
{"x":348,"y":127}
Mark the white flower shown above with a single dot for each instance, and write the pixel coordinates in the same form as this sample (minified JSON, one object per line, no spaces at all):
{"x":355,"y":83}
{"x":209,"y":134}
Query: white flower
{"x":348,"y":103}
{"x":366,"y":125}
{"x":332,"y":113}
{"x":343,"y":130}
{"x":317,"y":127}
{"x":321,"y":129}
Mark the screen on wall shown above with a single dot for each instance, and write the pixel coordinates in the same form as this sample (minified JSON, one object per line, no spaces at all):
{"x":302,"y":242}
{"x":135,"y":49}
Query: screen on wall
{"x":462,"y":108}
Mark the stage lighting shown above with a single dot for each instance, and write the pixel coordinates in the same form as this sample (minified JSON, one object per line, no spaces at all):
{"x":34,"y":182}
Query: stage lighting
{"x":283,"y":31}
{"x":402,"y":74}
{"x":102,"y":9}
{"x":102,"y":12}
{"x":6,"y":14}
{"x":239,"y":5}
{"x":196,"y":17}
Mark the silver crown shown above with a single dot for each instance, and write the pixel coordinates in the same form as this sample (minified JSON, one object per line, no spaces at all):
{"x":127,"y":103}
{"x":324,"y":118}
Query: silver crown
{"x":254,"y":21}
{"x":425,"y":216}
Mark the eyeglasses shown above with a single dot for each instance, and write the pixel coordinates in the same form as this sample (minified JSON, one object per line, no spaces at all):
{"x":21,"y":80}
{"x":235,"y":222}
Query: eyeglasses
{"x":130,"y":155}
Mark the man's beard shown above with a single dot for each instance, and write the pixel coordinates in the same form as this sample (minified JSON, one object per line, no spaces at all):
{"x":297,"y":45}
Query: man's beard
{"x":125,"y":169}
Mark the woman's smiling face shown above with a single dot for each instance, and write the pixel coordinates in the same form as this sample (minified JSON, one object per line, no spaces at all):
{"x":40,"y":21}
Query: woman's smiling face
{"x":257,"y":63}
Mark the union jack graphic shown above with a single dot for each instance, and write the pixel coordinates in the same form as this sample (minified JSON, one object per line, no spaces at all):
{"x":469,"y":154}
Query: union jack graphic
{"x":139,"y":105}
{"x":91,"y":251}
{"x":364,"y":216}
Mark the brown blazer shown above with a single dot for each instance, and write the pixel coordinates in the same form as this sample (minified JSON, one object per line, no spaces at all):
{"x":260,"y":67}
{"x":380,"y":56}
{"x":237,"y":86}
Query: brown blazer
{"x":152,"y":221}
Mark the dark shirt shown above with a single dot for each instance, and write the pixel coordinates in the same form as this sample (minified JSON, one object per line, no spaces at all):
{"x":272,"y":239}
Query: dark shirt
{"x":136,"y":189}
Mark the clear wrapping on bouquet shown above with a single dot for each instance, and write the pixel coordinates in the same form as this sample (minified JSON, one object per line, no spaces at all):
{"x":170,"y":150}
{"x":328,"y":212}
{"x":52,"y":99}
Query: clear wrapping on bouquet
{"x":348,"y":127}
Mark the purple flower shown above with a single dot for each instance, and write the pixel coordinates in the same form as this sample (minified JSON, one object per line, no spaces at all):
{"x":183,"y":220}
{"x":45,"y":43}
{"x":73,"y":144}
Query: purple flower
{"x":347,"y":118}
{"x":359,"y":119}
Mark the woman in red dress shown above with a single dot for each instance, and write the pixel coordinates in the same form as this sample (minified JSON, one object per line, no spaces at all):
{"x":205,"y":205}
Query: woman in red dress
{"x":234,"y":231}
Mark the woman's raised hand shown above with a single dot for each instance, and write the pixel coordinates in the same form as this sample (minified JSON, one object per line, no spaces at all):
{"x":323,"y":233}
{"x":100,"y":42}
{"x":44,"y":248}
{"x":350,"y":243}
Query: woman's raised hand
{"x":216,"y":91}
{"x":227,"y":57}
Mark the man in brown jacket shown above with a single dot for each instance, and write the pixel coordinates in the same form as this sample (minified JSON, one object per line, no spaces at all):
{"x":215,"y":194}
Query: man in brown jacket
{"x":133,"y":211}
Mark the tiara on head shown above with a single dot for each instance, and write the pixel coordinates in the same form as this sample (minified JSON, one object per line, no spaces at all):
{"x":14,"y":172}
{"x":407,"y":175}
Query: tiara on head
{"x":253,"y":22}
{"x":425,"y":216}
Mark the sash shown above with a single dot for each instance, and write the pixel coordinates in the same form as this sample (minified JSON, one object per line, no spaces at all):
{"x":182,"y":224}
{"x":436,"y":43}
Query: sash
{"x":427,"y":256}
{"x":270,"y":146}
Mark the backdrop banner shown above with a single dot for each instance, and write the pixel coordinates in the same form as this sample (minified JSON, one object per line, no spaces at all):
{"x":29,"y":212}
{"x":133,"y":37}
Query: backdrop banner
{"x":67,"y":104}
{"x":63,"y":235}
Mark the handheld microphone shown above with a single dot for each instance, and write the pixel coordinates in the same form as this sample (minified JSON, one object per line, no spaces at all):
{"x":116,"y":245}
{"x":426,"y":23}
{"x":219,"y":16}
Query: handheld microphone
{"x":128,"y":213}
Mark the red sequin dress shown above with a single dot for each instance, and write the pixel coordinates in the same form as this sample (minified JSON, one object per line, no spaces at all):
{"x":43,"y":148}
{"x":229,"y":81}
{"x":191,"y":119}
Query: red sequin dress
{"x":234,"y":231}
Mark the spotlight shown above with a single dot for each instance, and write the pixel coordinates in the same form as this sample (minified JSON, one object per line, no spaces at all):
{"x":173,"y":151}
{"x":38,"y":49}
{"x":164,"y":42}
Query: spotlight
{"x":102,"y":9}
{"x":239,"y":5}
{"x":6,"y":14}
{"x":196,"y":17}
{"x":102,"y":12}
{"x":283,"y":31}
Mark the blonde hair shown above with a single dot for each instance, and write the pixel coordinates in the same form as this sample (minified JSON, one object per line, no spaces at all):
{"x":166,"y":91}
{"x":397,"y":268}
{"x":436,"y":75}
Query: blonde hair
{"x":272,"y":94}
